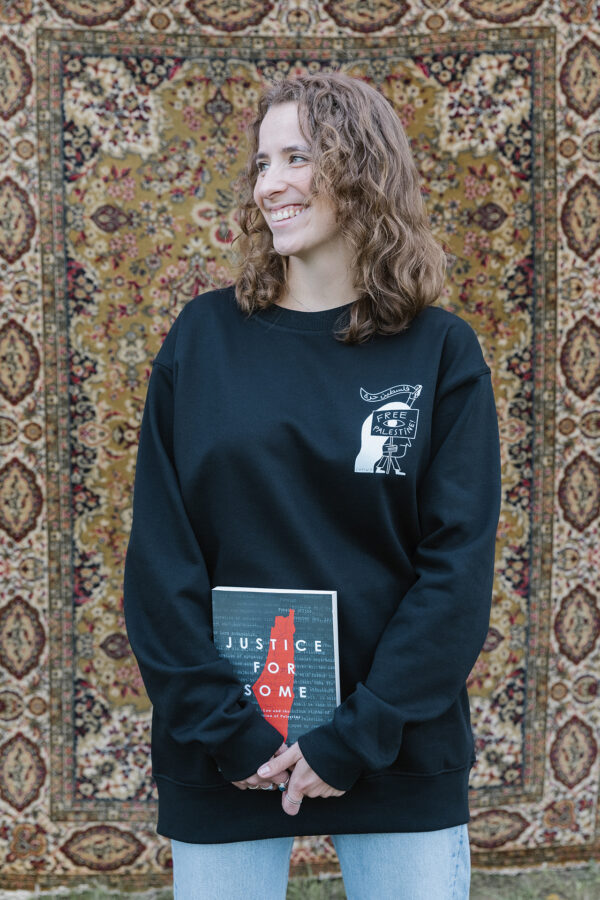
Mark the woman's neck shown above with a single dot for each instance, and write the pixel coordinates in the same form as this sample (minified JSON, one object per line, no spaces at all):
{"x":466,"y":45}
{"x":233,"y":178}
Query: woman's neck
{"x":308,"y":290}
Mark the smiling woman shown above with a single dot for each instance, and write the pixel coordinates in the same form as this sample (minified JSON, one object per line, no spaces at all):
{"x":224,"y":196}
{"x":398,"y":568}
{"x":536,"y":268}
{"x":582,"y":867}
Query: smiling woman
{"x":363,"y":237}
{"x":319,"y":426}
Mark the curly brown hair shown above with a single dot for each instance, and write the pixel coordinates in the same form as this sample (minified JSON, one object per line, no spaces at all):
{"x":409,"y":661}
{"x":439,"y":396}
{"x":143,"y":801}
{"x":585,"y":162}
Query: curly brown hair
{"x":362,"y":161}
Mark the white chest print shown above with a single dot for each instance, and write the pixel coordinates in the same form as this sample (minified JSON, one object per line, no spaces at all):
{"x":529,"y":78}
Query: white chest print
{"x":388,"y":431}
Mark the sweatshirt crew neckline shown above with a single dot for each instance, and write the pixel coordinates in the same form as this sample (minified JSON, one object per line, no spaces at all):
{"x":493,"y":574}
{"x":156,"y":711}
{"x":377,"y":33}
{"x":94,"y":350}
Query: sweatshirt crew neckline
{"x":322,"y":320}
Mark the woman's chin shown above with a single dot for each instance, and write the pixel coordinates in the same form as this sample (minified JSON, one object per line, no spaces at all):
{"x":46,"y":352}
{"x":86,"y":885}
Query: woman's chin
{"x":286,"y":248}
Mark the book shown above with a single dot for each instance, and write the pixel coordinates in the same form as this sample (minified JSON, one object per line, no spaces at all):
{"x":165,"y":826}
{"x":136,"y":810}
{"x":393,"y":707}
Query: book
{"x":283,"y":646}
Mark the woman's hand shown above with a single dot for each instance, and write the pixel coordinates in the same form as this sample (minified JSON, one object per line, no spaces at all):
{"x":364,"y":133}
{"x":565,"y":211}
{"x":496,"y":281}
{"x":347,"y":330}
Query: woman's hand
{"x":253,"y":782}
{"x":304,"y":781}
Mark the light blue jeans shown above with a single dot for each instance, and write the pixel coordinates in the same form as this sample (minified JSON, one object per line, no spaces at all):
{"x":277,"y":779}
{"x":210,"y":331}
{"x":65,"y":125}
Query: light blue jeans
{"x":426,"y":865}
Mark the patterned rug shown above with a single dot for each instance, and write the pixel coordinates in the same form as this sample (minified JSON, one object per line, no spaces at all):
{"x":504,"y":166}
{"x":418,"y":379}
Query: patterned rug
{"x":121,"y":137}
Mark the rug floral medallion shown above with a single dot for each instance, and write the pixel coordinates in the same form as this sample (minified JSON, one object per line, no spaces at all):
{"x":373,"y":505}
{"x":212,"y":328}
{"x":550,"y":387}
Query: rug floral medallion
{"x":124,"y":133}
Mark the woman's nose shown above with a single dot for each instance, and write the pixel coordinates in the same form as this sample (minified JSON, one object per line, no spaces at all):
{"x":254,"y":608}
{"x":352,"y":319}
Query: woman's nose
{"x":271,"y":181}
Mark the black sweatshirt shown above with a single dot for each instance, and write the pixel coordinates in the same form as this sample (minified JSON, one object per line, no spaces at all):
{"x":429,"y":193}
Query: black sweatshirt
{"x":273,"y":455}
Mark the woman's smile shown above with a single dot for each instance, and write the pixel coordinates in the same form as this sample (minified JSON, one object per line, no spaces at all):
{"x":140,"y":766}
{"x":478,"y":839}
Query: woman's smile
{"x":285,"y":214}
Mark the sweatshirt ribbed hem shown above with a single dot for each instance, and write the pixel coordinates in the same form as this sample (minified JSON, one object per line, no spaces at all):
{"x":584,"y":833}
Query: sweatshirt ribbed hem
{"x":376,"y":804}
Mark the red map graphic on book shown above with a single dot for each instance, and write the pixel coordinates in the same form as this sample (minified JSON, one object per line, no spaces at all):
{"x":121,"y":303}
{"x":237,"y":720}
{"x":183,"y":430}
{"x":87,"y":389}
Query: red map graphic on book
{"x":274,"y":687}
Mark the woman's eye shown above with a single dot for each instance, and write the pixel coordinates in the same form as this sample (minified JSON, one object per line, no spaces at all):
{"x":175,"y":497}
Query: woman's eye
{"x":261,"y":166}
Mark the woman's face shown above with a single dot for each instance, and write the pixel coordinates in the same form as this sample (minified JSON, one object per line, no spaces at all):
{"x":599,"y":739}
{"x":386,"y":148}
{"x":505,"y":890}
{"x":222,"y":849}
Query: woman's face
{"x":284,"y":177}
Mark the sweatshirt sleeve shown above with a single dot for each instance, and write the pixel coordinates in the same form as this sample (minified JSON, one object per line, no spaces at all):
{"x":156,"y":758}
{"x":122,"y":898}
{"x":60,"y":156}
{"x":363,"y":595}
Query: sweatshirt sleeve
{"x":430,"y":644}
{"x":167,"y":603}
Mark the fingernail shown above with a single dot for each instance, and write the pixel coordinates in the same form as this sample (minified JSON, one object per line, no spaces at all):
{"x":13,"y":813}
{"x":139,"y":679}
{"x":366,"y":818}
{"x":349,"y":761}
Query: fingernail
{"x":264,"y":770}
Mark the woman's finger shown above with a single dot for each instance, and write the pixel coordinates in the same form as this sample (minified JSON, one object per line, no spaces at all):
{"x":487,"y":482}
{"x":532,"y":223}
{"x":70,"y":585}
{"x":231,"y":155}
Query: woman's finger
{"x":253,"y":783}
{"x":277,"y":766}
{"x":291,"y":803}
{"x":332,"y":792}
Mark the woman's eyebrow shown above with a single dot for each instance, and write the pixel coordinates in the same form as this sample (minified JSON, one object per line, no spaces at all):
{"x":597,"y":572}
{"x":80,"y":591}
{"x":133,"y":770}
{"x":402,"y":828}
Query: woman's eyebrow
{"x":262,"y":155}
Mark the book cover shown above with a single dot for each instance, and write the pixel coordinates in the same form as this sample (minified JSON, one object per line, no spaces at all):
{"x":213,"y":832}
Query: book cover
{"x":283,"y":645}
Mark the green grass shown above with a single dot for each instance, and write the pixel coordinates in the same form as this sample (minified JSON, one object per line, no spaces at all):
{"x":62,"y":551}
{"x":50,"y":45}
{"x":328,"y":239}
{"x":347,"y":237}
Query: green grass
{"x":316,"y":889}
{"x":575,"y":883}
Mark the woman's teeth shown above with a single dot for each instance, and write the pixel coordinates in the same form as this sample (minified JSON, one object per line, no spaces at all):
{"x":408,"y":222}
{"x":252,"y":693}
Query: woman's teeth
{"x":289,"y":212}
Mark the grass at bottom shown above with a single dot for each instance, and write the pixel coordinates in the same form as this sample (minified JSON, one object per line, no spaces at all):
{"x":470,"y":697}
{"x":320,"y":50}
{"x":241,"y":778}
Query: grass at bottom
{"x":316,"y":889}
{"x":560,"y":883}
{"x":573,"y":883}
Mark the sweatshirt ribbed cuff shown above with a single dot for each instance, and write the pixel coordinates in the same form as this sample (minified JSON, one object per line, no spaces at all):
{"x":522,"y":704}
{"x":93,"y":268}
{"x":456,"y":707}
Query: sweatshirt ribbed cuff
{"x":330,"y":757}
{"x":252,"y":746}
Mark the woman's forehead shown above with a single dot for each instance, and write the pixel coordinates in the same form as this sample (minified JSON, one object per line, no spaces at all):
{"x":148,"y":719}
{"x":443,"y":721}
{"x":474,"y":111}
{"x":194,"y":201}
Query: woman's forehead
{"x":279,"y":117}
